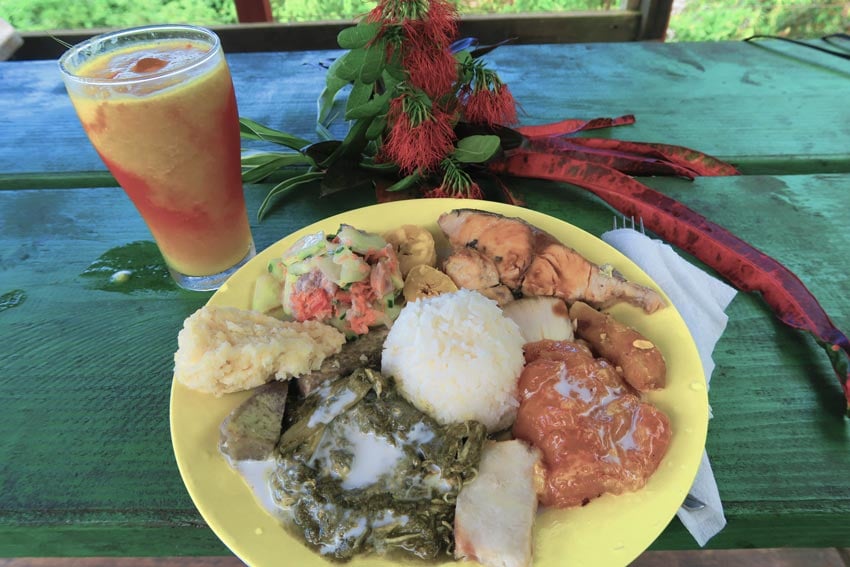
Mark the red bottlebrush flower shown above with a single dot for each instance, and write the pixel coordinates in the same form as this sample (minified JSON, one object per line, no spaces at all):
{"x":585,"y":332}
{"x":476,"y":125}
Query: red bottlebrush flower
{"x":398,"y":11}
{"x":471,"y":191}
{"x":489,"y":106}
{"x":456,"y":184}
{"x":419,"y":138}
{"x":432,"y":69}
{"x":442,"y":22}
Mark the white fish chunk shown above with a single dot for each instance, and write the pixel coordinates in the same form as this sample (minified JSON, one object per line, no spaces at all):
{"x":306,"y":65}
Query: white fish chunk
{"x":495,"y":512}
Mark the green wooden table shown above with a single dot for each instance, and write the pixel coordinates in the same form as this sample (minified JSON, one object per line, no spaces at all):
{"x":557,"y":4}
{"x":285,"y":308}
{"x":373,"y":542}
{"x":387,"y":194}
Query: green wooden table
{"x":86,"y":466}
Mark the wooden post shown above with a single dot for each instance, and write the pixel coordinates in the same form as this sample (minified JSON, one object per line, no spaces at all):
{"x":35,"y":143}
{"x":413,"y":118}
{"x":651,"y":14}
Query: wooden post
{"x":10,"y":40}
{"x":654,"y":17}
{"x":251,"y":11}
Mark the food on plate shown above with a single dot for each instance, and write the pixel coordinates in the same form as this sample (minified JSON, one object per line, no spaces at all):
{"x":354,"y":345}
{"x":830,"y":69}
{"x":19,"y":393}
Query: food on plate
{"x":387,"y":444}
{"x":470,"y":269}
{"x":225,"y":349}
{"x":362,"y":470}
{"x":640,"y":361}
{"x":541,"y":318}
{"x":414,"y":246}
{"x":350,"y":280}
{"x":251,"y":431}
{"x":533,"y":262}
{"x":456,"y":357}
{"x":361,"y":352}
{"x":426,"y":281}
{"x":495,"y":511}
{"x":596,"y":437}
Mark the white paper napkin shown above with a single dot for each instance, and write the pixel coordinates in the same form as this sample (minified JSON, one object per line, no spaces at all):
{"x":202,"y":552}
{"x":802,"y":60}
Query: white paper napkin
{"x":702,"y":300}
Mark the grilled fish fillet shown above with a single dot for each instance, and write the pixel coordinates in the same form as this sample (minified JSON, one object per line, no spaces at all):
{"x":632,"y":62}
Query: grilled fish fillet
{"x":534,"y":262}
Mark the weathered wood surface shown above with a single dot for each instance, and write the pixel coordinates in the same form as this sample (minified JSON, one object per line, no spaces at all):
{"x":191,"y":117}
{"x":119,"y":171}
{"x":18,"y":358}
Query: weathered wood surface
{"x":86,"y":466}
{"x":769,"y":108}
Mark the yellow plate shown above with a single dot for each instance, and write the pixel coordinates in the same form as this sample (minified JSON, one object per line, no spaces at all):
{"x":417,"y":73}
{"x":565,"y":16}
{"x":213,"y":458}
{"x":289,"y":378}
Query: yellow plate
{"x":611,"y":530}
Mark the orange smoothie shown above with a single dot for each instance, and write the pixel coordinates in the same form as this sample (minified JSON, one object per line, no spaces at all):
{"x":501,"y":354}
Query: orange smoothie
{"x":173,"y":145}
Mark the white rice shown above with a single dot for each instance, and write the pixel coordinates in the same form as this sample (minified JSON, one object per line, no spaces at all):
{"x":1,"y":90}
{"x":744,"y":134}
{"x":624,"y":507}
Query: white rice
{"x":457,"y":357}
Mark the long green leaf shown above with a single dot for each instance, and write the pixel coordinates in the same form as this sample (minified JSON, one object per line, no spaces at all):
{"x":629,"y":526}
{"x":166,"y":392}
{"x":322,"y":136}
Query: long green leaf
{"x":370,"y":165}
{"x":259,"y":158}
{"x":257,"y":173}
{"x":404,"y":183}
{"x":255,"y":131}
{"x":323,"y":132}
{"x":284,"y":187}
{"x":326,"y":99}
{"x":353,"y":143}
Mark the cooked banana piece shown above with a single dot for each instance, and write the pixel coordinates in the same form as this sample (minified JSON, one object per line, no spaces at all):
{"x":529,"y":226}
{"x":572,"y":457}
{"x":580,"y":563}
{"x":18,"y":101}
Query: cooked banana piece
{"x":413,"y":245}
{"x":425,"y":281}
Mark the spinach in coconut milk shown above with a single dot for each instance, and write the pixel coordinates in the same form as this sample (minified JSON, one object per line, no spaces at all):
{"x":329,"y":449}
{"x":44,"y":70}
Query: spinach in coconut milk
{"x":363,"y":471}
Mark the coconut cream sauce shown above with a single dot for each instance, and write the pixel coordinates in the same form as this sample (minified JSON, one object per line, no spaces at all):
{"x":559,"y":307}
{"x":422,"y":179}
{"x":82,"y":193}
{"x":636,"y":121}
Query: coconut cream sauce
{"x":374,"y":458}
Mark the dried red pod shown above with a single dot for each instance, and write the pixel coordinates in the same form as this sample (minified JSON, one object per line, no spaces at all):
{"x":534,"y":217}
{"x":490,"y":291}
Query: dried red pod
{"x":746,"y":267}
{"x":626,"y":162}
{"x":698,"y":162}
{"x":573,"y":125}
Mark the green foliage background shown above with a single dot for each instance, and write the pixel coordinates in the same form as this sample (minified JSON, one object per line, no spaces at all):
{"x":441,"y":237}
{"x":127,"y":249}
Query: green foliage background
{"x":699,"y":20}
{"x":709,"y":20}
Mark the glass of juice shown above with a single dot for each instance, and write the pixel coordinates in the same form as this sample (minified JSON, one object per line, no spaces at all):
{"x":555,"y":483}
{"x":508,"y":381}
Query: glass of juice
{"x":158,"y":105}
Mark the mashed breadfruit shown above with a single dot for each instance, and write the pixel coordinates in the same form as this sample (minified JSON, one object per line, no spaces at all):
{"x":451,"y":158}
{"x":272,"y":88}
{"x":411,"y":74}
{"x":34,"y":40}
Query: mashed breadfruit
{"x":225,"y":349}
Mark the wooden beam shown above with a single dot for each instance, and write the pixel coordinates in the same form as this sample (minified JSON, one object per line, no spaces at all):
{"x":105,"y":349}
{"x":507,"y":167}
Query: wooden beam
{"x":250,"y":11}
{"x":567,"y":27}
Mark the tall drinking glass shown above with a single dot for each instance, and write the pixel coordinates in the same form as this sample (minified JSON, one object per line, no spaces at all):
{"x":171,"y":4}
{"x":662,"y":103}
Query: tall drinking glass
{"x":158,"y":105}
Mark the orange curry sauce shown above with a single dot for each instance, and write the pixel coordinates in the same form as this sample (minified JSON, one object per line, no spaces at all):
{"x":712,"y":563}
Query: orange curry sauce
{"x":595,"y":434}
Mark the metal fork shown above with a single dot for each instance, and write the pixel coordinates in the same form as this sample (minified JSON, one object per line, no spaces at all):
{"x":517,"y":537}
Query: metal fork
{"x":692,"y":503}
{"x":629,"y":223}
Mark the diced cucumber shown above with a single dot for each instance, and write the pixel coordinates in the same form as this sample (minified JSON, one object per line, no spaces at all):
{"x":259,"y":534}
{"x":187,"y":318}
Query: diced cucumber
{"x":277,"y":269}
{"x":306,"y":246}
{"x":339,"y":322}
{"x":352,"y":269}
{"x":266,"y":293}
{"x":331,"y":270}
{"x":395,"y":274}
{"x":392,"y":305}
{"x":302,"y":267}
{"x":358,"y":240}
{"x":288,"y":288}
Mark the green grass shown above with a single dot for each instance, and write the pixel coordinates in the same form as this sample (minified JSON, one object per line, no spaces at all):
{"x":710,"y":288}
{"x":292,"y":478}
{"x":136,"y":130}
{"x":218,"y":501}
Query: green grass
{"x":700,"y":20}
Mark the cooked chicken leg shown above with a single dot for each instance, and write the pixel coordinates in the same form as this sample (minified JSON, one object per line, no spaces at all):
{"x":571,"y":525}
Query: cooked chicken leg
{"x":536,"y":263}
